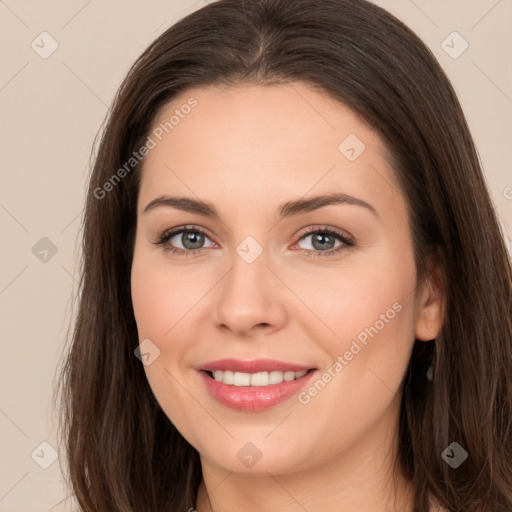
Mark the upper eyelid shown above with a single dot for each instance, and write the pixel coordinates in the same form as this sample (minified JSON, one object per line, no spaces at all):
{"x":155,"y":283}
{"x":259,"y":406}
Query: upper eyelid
{"x":339,"y":232}
{"x":170,"y":233}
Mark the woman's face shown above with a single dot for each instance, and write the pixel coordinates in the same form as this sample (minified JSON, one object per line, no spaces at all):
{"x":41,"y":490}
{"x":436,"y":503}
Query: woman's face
{"x":254,"y":283}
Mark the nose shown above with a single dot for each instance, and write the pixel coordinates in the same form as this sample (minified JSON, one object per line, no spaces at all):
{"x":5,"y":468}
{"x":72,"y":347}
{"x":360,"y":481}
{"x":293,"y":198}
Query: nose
{"x":250,"y":298}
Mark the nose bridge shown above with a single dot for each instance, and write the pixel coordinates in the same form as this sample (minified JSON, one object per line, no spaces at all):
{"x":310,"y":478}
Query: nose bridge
{"x":249,"y":264}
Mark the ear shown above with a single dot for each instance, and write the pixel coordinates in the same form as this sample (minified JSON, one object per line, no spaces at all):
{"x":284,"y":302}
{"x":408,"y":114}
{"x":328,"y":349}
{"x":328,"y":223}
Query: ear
{"x":430,"y":305}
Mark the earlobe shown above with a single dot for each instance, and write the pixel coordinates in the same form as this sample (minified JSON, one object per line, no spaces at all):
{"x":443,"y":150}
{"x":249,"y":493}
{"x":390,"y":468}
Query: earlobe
{"x":429,"y":322}
{"x":430,"y":313}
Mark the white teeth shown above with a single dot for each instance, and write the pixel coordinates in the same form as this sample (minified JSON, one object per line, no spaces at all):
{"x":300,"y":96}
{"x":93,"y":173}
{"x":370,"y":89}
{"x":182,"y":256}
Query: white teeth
{"x":255,"y":379}
{"x":241,"y":379}
{"x":276,"y":377}
{"x":228,"y":377}
{"x":260,"y":379}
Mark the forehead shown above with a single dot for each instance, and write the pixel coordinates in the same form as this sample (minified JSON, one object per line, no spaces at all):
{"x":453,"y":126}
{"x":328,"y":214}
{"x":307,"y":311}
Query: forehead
{"x":259,"y":144}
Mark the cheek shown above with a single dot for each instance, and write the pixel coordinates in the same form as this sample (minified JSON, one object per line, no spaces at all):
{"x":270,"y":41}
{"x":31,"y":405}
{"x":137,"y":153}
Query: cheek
{"x":344,"y":302}
{"x":161,"y":296}
{"x":150,"y":300}
{"x":370,"y":316}
{"x":160,"y":301}
{"x":365,"y":316}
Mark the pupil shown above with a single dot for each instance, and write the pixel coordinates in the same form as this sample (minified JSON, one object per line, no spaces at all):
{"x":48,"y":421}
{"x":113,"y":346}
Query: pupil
{"x":322,"y":239}
{"x":195,"y":238}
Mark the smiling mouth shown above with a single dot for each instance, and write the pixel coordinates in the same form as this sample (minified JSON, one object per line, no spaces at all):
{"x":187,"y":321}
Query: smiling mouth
{"x":258,"y":379}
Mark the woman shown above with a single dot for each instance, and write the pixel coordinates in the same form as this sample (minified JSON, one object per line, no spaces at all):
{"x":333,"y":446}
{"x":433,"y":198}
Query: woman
{"x":295,"y":292}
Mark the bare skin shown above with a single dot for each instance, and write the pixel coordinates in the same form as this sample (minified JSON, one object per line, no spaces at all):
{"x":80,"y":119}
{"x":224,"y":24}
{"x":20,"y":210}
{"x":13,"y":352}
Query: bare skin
{"x":247,"y":150}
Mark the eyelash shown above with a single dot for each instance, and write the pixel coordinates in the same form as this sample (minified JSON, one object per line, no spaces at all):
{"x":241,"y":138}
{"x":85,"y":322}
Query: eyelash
{"x":346,"y":241}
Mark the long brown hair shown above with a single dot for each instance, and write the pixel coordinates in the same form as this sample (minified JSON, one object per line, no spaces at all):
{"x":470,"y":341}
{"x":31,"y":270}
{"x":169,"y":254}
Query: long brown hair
{"x":122,"y":451}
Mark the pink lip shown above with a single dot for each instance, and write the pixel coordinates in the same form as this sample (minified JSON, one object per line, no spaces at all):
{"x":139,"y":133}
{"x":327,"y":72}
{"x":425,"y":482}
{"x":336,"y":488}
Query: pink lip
{"x":254,"y":398}
{"x":254,"y":366}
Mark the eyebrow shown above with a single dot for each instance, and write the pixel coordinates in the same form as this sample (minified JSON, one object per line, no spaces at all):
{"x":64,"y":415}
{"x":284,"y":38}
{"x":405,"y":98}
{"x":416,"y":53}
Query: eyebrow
{"x":287,"y":209}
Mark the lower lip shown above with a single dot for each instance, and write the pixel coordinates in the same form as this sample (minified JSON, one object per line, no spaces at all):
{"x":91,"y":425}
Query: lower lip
{"x":254,"y":398}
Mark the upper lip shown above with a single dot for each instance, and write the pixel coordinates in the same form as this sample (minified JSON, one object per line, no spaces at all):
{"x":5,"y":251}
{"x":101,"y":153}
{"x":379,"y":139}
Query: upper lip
{"x":252,"y":366}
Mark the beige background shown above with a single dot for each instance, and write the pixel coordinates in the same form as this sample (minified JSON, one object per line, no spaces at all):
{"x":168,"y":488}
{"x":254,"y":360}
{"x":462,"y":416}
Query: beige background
{"x":51,"y":111}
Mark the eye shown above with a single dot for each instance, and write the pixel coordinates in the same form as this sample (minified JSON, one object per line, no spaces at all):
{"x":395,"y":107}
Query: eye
{"x":191,"y":239}
{"x":323,"y":241}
